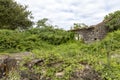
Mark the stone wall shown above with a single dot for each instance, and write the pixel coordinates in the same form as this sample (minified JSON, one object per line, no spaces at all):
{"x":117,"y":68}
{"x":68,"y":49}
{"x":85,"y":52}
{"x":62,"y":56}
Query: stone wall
{"x":100,"y":31}
{"x":93,"y":33}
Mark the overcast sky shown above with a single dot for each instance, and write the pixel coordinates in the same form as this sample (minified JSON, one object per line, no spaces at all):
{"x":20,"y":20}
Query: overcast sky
{"x":66,"y":12}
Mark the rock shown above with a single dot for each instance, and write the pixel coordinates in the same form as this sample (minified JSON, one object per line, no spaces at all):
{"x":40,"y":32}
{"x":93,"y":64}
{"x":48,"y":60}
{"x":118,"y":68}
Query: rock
{"x":86,"y":74}
{"x":28,"y":75}
{"x":10,"y":62}
{"x":7,"y":65}
{"x":2,"y":70}
{"x":59,"y":74}
{"x":115,"y":56}
{"x":34,"y":62}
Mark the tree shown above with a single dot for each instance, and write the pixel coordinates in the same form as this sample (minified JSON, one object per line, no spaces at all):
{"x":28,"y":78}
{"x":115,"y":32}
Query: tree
{"x":42,"y":23}
{"x":112,"y":20}
{"x":79,"y":25}
{"x":14,"y":15}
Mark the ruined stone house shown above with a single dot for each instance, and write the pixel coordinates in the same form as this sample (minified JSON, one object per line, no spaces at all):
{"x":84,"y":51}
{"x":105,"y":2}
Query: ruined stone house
{"x":92,"y":33}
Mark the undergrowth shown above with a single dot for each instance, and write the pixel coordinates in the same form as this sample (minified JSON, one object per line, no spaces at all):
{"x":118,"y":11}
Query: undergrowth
{"x":65,"y":58}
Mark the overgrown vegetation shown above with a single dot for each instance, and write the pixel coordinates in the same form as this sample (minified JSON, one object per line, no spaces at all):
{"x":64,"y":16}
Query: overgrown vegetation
{"x":68,"y":56}
{"x":113,"y":20}
{"x":61,"y":55}
{"x":36,"y":38}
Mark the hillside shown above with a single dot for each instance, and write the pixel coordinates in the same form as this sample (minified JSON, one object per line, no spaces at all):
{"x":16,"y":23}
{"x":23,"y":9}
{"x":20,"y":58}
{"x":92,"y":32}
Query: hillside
{"x":64,"y":60}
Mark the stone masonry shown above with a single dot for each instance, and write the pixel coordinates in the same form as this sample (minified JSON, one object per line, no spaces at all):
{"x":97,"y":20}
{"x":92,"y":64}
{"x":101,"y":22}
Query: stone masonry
{"x":92,"y":33}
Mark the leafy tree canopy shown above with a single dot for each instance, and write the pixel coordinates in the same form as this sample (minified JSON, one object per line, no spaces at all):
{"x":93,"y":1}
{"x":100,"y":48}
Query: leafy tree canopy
{"x":14,"y":15}
{"x":113,"y":20}
{"x":79,"y":25}
{"x":42,"y":23}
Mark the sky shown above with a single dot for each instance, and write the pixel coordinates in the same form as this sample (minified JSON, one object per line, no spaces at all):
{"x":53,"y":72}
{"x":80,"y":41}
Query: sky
{"x":65,"y":13}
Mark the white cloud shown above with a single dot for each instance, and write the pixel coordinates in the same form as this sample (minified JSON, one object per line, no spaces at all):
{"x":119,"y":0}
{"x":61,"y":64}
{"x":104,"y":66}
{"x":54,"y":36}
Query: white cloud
{"x":66,"y":12}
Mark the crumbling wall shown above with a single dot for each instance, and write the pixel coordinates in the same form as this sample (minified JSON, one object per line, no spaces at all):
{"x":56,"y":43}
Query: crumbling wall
{"x":100,"y":31}
{"x":93,"y":33}
{"x":87,"y":34}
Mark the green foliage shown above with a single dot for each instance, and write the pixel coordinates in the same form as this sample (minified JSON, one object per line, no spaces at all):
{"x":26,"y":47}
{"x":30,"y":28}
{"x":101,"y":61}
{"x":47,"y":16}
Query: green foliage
{"x":8,"y":39}
{"x":14,"y":41}
{"x":65,"y":59}
{"x":42,"y":23}
{"x":14,"y":15}
{"x":79,"y":25}
{"x":113,"y":20}
{"x":13,"y":75}
{"x":35,"y":38}
{"x":53,"y":36}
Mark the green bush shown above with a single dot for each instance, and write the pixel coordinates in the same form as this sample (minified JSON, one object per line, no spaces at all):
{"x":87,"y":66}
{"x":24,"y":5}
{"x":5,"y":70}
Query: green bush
{"x":68,"y":57}
{"x":14,"y":41}
{"x":35,"y":38}
{"x":53,"y":36}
